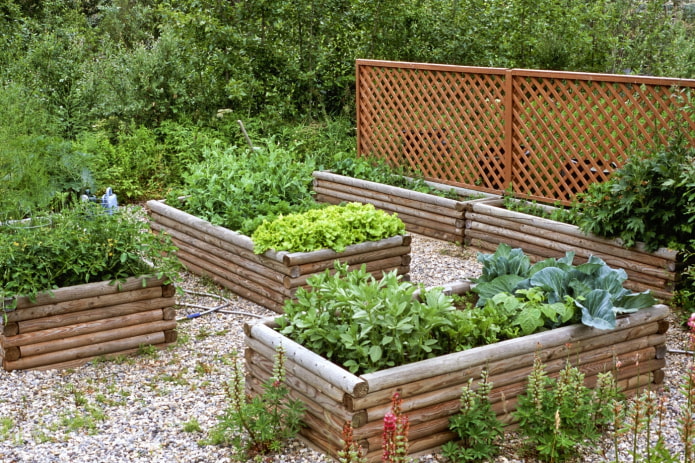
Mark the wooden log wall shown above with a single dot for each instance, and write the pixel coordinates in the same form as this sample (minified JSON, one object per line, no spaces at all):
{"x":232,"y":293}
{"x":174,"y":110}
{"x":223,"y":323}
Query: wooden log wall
{"x":269,"y":279}
{"x":431,"y":388}
{"x":70,"y":326}
{"x":425,"y":214}
{"x":488,"y":224}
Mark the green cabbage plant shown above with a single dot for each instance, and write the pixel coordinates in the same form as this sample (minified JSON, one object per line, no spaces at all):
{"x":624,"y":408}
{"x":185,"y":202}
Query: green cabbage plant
{"x":593,"y":287}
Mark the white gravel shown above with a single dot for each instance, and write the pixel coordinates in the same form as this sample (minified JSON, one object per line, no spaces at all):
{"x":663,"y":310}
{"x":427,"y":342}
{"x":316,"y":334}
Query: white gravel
{"x":156,"y":407}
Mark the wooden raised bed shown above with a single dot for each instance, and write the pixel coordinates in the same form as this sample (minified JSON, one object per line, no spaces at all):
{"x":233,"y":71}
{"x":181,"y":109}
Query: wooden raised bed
{"x":426,"y":214}
{"x":267,"y":279}
{"x":70,"y":326}
{"x":488,"y":224}
{"x":431,"y":388}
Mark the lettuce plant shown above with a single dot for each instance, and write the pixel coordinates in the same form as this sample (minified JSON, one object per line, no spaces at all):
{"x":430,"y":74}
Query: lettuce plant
{"x":331,"y":227}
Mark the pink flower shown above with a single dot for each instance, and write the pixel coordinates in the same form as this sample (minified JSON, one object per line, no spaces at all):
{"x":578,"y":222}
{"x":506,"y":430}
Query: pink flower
{"x":691,"y":321}
{"x":389,"y":422}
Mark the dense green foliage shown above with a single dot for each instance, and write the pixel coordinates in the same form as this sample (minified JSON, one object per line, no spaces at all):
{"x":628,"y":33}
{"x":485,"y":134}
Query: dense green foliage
{"x":240,"y":188}
{"x":365,"y":324}
{"x":80,"y":245}
{"x":331,"y":227}
{"x":126,"y":94}
{"x":132,"y":91}
{"x":593,"y":289}
{"x":649,"y":199}
{"x":557,"y":415}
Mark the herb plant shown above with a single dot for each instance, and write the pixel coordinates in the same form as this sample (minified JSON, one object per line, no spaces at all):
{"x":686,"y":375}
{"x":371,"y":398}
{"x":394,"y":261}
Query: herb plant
{"x":332,"y":227}
{"x":365,"y":324}
{"x":81,"y":245}
{"x":239,"y":189}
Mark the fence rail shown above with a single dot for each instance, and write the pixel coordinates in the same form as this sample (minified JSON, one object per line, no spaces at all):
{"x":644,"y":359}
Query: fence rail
{"x":544,"y":135}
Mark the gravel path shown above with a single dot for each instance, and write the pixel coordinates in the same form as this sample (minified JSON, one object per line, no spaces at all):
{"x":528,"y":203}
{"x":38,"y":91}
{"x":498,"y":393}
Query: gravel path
{"x":157,"y":406}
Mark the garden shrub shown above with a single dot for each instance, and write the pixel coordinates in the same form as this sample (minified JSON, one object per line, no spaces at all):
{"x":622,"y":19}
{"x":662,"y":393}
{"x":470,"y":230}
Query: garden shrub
{"x":646,"y":200}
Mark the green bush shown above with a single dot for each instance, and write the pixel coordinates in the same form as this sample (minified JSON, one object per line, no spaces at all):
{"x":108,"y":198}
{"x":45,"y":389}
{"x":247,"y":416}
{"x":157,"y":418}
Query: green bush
{"x":40,"y":173}
{"x":646,"y":200}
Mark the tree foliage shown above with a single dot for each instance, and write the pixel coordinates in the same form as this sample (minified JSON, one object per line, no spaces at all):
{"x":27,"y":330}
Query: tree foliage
{"x":106,"y":69}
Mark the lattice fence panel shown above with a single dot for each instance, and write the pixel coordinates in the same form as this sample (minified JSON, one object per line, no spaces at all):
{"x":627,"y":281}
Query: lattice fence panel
{"x":569,"y":133}
{"x":546,"y":134}
{"x":446,"y":124}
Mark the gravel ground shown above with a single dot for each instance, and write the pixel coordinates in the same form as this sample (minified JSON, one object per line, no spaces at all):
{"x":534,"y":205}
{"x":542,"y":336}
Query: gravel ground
{"x":157,"y":406}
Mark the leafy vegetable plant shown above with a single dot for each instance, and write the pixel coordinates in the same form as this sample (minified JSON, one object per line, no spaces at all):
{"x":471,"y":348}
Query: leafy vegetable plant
{"x":595,"y":289}
{"x":366,"y":324}
{"x":239,"y":189}
{"x":333,"y":227}
{"x":81,"y":245}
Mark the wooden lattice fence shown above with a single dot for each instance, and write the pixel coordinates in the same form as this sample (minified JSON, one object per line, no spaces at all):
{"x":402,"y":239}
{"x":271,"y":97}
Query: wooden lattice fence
{"x":545,"y":135}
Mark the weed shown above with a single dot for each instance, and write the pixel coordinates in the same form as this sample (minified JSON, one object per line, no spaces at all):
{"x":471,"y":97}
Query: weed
{"x":191,"y":425}
{"x":148,"y":350}
{"x":6,"y":425}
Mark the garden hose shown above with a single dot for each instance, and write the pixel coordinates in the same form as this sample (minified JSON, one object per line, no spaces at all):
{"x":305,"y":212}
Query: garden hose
{"x":209,"y":310}
{"x":679,"y":351}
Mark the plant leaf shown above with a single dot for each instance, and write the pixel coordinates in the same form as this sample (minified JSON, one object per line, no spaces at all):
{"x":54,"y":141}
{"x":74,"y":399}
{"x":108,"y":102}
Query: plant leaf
{"x":501,"y":284}
{"x":629,"y":303}
{"x":597,"y":310}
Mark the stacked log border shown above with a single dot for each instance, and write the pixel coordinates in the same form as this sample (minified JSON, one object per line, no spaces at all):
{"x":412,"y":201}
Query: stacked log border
{"x":488,"y":224}
{"x":271,"y":278}
{"x":69,"y":326}
{"x":426,"y":214}
{"x":431,"y":388}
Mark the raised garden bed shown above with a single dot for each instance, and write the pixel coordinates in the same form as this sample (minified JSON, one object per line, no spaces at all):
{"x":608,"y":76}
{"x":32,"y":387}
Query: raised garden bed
{"x":270,"y":278}
{"x":488,"y":224}
{"x":72,"y":325}
{"x":431,"y":388}
{"x":427,"y":214}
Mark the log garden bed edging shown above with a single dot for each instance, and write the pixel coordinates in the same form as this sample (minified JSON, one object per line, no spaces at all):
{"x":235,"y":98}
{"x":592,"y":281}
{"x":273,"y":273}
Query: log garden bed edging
{"x":488,"y":224}
{"x":69,"y":326}
{"x":268,"y":279}
{"x":431,"y":388}
{"x":426,"y":214}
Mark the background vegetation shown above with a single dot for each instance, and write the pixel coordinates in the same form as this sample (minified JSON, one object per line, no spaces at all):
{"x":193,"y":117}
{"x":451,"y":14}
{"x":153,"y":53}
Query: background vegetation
{"x":127,"y":93}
